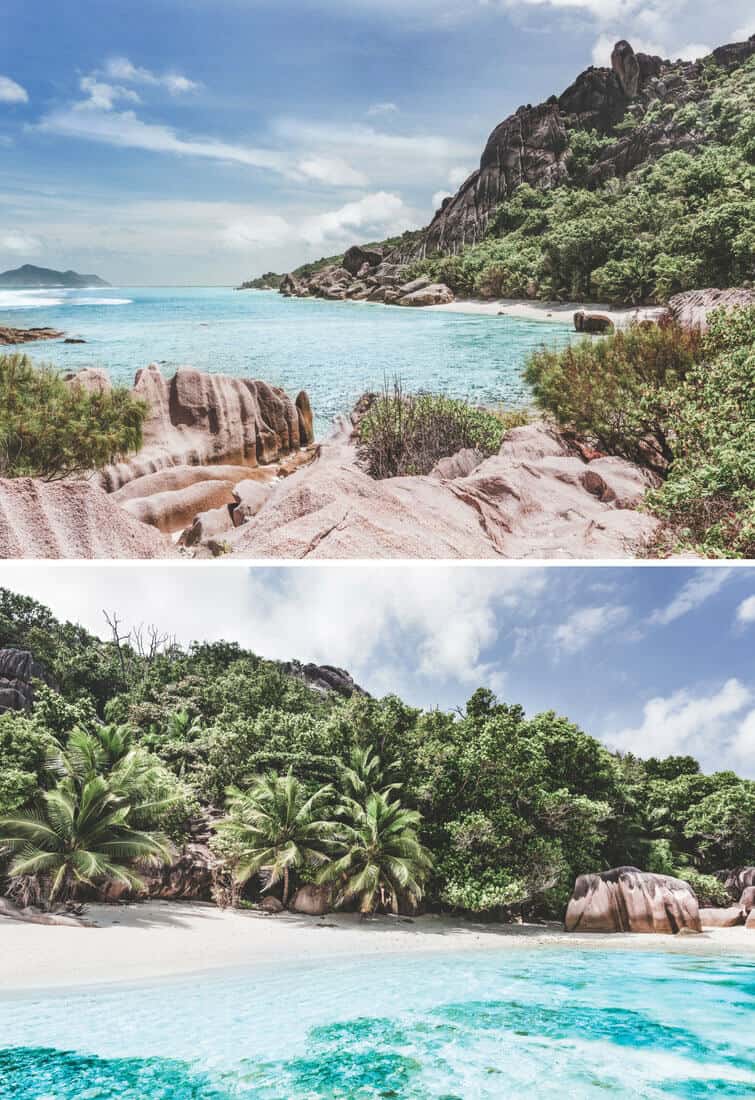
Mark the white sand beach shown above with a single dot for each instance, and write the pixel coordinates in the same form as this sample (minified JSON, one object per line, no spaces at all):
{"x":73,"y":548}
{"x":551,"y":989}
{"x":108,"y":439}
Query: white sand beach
{"x":558,"y":312}
{"x":140,"y":942}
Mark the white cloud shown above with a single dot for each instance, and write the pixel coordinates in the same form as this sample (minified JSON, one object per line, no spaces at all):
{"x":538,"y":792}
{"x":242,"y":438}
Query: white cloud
{"x":746,"y":610}
{"x":392,"y":628}
{"x":438,"y":198}
{"x":102,"y":96}
{"x":744,"y":32}
{"x":378,"y":214}
{"x":705,"y":584}
{"x":586,"y":624}
{"x":382,"y":109}
{"x":458,"y":175}
{"x":120,"y":68}
{"x":743,"y":745}
{"x":11,"y":92}
{"x":683,"y":723}
{"x":331,"y":170}
{"x":20,"y":243}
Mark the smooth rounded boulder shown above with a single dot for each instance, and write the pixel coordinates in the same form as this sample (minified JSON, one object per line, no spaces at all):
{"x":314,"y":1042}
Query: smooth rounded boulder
{"x":626,"y":899}
{"x":722,"y":918}
{"x":313,"y":900}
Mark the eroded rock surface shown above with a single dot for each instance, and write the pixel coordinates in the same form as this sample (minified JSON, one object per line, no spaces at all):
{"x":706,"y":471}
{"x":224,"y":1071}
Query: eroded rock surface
{"x":70,"y":519}
{"x":313,"y":900}
{"x":722,"y":918}
{"x":536,"y":498}
{"x":629,"y":900}
{"x":692,"y":308}
{"x":325,"y":678}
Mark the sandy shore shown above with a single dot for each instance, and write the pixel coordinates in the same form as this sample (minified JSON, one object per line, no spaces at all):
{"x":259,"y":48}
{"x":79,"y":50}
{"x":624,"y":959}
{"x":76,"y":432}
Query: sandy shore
{"x":161,"y":939}
{"x":559,"y":312}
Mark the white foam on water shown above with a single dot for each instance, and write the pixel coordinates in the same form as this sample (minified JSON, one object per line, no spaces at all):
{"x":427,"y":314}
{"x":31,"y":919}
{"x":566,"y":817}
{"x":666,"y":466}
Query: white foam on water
{"x":29,"y":299}
{"x":101,"y":302}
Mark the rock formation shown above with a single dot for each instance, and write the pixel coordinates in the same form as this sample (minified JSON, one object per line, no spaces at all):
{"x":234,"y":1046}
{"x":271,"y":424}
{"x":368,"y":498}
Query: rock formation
{"x":17,"y":671}
{"x":324,"y":678}
{"x":313,"y":900}
{"x":693,"y":307}
{"x":536,"y":498}
{"x":70,"y":519}
{"x":27,"y":335}
{"x":722,"y":918}
{"x":629,"y":900}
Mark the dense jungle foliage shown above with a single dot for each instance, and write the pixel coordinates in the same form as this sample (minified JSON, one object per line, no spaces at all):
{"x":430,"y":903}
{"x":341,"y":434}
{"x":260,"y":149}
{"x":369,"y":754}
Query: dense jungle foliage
{"x":484,"y":811}
{"x":683,"y":221}
{"x":679,"y":403}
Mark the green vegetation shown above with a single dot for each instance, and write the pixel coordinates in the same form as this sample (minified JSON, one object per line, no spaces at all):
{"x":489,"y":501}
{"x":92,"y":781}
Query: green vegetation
{"x":486,"y":811}
{"x":407,"y":434}
{"x":683,"y":221}
{"x":52,"y":430}
{"x":269,"y":281}
{"x":679,"y":403}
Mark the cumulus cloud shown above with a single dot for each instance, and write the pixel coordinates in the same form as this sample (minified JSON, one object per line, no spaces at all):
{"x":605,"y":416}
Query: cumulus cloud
{"x":381,"y":213}
{"x":586,"y":624}
{"x":701,"y":587}
{"x":101,"y":96}
{"x":746,"y":610}
{"x":684,"y":723}
{"x":418,"y":623}
{"x":331,"y":170}
{"x":11,"y":92}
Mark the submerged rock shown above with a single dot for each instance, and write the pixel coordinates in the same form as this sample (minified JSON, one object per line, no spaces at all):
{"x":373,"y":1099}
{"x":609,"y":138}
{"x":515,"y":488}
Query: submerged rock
{"x":598,"y":323}
{"x":629,"y":900}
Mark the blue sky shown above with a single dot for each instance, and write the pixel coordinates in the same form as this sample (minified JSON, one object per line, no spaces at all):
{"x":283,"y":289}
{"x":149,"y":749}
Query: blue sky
{"x":649,"y":659}
{"x":200,"y":141}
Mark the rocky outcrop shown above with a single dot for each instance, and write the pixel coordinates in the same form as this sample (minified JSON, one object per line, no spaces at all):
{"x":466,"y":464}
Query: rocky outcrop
{"x":593,"y":323}
{"x":436,"y":294}
{"x":722,"y":918}
{"x":70,"y":519}
{"x":365,"y":275}
{"x":29,"y":914}
{"x":199,"y":419}
{"x":325,"y":678}
{"x":750,"y":922}
{"x":313,"y":900}
{"x":692,"y":308}
{"x":190,"y":876}
{"x":536,"y":498}
{"x":629,"y":900}
{"x":27,"y":335}
{"x":18,"y":670}
{"x":747,"y":900}
{"x":532,"y":145}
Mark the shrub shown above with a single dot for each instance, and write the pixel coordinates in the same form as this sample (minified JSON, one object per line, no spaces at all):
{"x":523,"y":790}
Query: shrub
{"x":618,"y":391}
{"x":402,"y":435}
{"x":52,"y":430}
{"x":710,"y":891}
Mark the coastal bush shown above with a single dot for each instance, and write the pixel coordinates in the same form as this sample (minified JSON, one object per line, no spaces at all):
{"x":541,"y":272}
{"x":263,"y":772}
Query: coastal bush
{"x":677,"y":402}
{"x":51,"y":430}
{"x":619,"y":391}
{"x":510,"y":809}
{"x":404,"y":434}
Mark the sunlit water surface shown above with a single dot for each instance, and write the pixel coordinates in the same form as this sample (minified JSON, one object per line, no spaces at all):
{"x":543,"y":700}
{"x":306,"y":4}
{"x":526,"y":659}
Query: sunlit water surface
{"x":334,"y":350}
{"x":562,"y":1023}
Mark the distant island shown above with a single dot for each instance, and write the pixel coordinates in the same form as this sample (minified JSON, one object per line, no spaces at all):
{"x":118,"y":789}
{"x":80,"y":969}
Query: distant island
{"x":29,"y":276}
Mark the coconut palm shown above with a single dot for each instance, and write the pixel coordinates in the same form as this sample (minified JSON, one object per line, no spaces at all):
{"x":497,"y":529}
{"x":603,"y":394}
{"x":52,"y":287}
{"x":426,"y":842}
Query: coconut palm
{"x":382,"y":858}
{"x":131,"y":773}
{"x":79,"y":835}
{"x":365,"y":774}
{"x":275,"y":827}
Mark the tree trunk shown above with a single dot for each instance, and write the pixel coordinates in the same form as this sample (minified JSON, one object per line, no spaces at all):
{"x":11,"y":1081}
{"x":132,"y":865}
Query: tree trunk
{"x":285,"y":887}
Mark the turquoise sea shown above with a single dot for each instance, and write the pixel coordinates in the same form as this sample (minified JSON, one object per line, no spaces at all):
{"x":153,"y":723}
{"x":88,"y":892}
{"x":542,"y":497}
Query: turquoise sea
{"x":565,"y":1023}
{"x":334,"y":350}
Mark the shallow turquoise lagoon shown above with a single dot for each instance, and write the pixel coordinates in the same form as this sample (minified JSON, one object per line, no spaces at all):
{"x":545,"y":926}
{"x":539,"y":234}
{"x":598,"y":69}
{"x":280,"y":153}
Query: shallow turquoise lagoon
{"x":334,"y":350}
{"x":560,"y":1023}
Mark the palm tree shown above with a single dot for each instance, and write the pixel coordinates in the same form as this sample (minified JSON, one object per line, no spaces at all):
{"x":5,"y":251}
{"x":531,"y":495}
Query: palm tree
{"x":274,"y":826}
{"x":382,"y":858}
{"x":80,"y":834}
{"x":365,"y":775}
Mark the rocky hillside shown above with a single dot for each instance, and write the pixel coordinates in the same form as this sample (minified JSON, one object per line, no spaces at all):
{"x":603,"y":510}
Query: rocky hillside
{"x":30,"y":277}
{"x":632,"y":185}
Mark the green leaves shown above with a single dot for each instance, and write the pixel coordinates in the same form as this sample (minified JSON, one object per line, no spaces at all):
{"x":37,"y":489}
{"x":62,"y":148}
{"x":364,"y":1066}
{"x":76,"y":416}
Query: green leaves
{"x":52,"y":430}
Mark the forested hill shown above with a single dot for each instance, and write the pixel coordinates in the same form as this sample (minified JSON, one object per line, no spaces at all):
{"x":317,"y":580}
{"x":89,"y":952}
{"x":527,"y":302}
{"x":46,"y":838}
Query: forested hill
{"x":634,"y":184}
{"x":511,"y":807}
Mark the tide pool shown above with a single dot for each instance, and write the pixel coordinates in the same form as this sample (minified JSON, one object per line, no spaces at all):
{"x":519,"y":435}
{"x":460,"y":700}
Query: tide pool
{"x":564,"y":1023}
{"x":334,"y":350}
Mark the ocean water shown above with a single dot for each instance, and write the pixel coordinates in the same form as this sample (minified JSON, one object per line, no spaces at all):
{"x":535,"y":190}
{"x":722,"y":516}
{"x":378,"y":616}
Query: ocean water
{"x":334,"y":350}
{"x":562,"y":1023}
